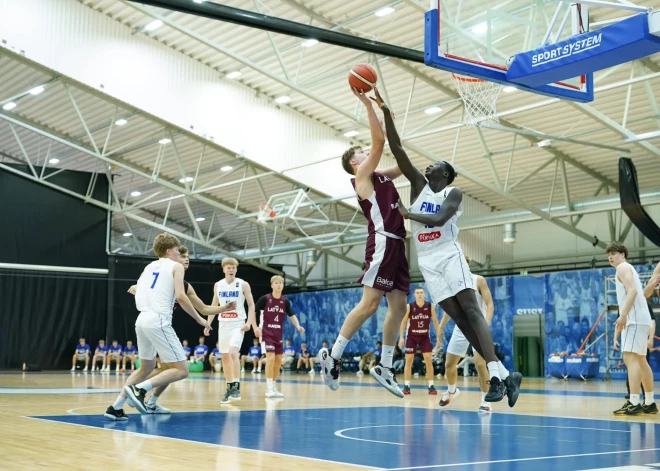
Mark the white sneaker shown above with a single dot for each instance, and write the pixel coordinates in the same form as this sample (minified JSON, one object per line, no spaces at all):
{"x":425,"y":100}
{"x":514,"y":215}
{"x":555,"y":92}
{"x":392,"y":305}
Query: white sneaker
{"x":360,"y":373}
{"x":277,"y":393}
{"x":485,"y":407}
{"x":243,"y":370}
{"x":156,"y":409}
{"x":270,"y":393}
{"x":329,"y":369}
{"x":311,"y":372}
{"x":386,"y":377}
{"x":73,"y":368}
{"x":447,"y":397}
{"x":117,"y":369}
{"x":254,"y":370}
{"x":85,"y":369}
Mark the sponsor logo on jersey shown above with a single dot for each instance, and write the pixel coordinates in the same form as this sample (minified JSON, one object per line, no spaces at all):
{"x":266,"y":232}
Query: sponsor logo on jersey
{"x":395,"y":205}
{"x":228,"y":315}
{"x":273,"y":326}
{"x":270,"y":347}
{"x":427,"y":207}
{"x":420,"y":331}
{"x":228,"y":294}
{"x":429,"y":236}
{"x":383,"y":281}
{"x":419,"y":316}
{"x":383,"y":179}
{"x":276,"y":309}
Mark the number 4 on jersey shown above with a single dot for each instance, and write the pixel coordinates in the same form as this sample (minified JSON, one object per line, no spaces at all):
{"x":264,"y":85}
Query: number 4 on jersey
{"x":155,"y":274}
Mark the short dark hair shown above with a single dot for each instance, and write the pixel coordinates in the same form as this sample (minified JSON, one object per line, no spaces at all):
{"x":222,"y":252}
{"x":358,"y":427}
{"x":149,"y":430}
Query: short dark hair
{"x":346,"y":159}
{"x":617,"y":247}
{"x":419,"y":287}
{"x":452,"y":173}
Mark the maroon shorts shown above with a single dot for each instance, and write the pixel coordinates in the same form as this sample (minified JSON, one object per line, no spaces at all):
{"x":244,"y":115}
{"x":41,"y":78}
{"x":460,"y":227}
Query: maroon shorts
{"x":386,"y":264}
{"x":424,"y":342}
{"x":270,"y":345}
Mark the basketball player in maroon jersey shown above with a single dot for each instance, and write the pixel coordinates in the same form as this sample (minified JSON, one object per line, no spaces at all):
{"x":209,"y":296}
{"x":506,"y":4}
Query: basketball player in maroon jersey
{"x":272,"y":308}
{"x":386,"y":271}
{"x":420,"y":313}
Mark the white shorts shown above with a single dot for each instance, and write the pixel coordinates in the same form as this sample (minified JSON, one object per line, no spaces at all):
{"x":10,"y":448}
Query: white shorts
{"x":458,"y":344}
{"x":634,"y":338}
{"x":230,"y":335}
{"x":155,"y":335}
{"x":446,"y":273}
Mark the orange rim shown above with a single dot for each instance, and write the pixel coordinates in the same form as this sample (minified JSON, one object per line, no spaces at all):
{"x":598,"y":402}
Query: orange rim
{"x":264,"y":207}
{"x":464,"y":78}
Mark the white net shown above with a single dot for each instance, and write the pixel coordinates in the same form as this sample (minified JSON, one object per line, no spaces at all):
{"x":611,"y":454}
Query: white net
{"x":480,"y":98}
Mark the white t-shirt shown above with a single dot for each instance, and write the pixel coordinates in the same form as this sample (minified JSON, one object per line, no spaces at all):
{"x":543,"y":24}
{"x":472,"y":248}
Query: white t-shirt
{"x":155,"y":289}
{"x":228,"y":292}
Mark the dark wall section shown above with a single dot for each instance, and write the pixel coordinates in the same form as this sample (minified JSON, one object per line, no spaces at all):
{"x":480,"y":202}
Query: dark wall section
{"x":124,"y":272}
{"x":42,"y":226}
{"x":42,"y":314}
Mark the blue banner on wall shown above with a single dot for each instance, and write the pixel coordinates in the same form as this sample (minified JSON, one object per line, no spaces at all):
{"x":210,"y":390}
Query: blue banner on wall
{"x":570,"y":301}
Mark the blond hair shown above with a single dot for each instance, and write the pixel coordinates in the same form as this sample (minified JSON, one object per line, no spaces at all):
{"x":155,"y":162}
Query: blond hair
{"x":275,"y":278}
{"x":229,"y":261}
{"x":164,"y":242}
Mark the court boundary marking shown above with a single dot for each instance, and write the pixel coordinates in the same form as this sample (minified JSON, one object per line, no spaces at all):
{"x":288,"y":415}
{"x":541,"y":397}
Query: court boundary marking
{"x":520,"y":459}
{"x":149,"y":436}
{"x":340,"y":433}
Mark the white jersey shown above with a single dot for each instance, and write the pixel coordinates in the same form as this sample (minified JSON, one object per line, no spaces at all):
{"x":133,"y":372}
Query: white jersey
{"x":639,"y":314}
{"x":430,"y":238}
{"x":228,"y":292}
{"x":480,"y":300}
{"x":155,"y":289}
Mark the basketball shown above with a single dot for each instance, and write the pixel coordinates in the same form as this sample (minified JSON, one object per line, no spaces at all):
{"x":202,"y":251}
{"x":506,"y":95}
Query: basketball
{"x":362,"y":77}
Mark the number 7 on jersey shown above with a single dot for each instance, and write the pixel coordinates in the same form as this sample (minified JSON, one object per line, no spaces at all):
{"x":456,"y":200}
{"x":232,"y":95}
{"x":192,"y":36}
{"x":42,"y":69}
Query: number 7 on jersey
{"x":155,"y":274}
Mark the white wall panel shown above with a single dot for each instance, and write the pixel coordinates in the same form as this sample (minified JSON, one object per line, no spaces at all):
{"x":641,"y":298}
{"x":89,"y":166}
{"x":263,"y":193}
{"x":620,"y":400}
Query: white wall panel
{"x":79,"y":42}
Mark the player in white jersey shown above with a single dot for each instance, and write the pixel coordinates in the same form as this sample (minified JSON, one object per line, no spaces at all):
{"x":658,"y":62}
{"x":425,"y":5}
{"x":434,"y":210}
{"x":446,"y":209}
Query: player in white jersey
{"x":654,"y":282}
{"x":458,"y":347}
{"x":232,"y":324}
{"x":435,"y":209}
{"x":634,"y":325}
{"x":159,"y":286}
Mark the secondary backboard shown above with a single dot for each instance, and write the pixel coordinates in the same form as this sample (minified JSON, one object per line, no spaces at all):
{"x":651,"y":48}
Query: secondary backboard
{"x":479,"y":39}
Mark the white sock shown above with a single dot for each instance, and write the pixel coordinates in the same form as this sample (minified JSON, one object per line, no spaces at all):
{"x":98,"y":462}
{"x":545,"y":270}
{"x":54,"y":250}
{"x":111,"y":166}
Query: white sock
{"x":119,"y":402}
{"x":648,"y":398}
{"x":494,"y":370}
{"x":152,"y":400}
{"x":430,"y":383}
{"x":483,"y":396}
{"x":407,"y":383}
{"x":146,"y":385}
{"x":386,"y":356}
{"x":269,"y":383}
{"x":451,"y":388}
{"x":634,"y":399}
{"x":504,"y":373}
{"x":339,"y":346}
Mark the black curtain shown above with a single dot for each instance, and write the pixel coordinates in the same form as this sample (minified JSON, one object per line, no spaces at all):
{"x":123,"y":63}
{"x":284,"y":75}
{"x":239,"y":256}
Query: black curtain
{"x":43,"y":314}
{"x":124,"y":272}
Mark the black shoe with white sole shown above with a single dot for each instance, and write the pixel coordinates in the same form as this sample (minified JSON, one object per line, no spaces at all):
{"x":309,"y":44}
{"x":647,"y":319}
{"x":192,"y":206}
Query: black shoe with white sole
{"x":115,"y":414}
{"x":136,"y":397}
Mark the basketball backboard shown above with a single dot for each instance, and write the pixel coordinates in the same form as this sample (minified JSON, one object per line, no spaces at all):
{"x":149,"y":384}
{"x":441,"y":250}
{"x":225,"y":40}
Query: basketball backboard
{"x":464,"y":37}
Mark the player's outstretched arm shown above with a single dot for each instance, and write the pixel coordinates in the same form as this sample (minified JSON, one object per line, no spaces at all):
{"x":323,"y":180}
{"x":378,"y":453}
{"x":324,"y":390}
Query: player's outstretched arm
{"x":184,"y":302}
{"x":416,"y":178}
{"x":205,"y":310}
{"x":368,"y":167}
{"x":447,"y":211}
{"x":487,"y":296}
{"x":653,"y":282}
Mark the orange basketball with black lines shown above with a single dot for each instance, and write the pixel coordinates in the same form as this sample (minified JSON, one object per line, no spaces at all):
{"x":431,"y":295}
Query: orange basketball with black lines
{"x":362,"y":77}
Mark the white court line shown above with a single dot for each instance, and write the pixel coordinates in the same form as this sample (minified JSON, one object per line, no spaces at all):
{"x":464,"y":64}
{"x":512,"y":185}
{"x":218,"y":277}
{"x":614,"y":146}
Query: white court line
{"x":53,"y":391}
{"x":214,"y":445}
{"x":519,"y":459}
{"x":340,"y":433}
{"x":71,"y":411}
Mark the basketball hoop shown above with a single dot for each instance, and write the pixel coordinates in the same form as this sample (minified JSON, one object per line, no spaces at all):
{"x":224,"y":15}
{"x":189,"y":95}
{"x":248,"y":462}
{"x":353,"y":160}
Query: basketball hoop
{"x":266,"y":212}
{"x":480,"y":98}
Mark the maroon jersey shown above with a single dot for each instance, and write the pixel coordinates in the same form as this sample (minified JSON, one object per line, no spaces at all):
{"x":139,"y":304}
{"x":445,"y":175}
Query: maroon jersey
{"x":273,"y":312}
{"x":419,"y":319}
{"x":382,"y":208}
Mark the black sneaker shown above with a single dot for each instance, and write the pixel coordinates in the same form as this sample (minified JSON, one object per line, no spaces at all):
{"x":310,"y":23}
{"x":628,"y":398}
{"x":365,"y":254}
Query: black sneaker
{"x":136,"y":397}
{"x":225,"y":399}
{"x":432,"y":391}
{"x":512,"y":383}
{"x":235,"y":394}
{"x":634,"y":410}
{"x":497,"y":390}
{"x":118,"y":414}
{"x":650,"y":409}
{"x":406,"y":389}
{"x":622,"y":409}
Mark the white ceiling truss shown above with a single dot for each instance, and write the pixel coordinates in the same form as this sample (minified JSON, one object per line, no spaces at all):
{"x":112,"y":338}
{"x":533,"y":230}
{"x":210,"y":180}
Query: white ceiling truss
{"x":544,"y":151}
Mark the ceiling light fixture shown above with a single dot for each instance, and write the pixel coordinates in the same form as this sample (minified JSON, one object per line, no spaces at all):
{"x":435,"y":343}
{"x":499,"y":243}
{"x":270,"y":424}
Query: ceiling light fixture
{"x":54,"y":161}
{"x":9,"y":106}
{"x":135,"y":193}
{"x":184,"y":180}
{"x":154,"y":25}
{"x":384,"y":11}
{"x":283,"y":100}
{"x":351,"y":133}
{"x":481,"y":28}
{"x":233,"y":75}
{"x":433,"y":110}
{"x":36,"y":90}
{"x":509,"y":89}
{"x":127,"y":234}
{"x":200,"y":219}
{"x":164,"y":141}
{"x":121,"y":122}
{"x":310,"y":43}
{"x":226,"y":168}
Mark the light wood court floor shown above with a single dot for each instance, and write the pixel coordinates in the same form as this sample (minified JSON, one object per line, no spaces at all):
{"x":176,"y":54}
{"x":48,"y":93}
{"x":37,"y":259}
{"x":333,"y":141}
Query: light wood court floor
{"x":54,"y":421}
